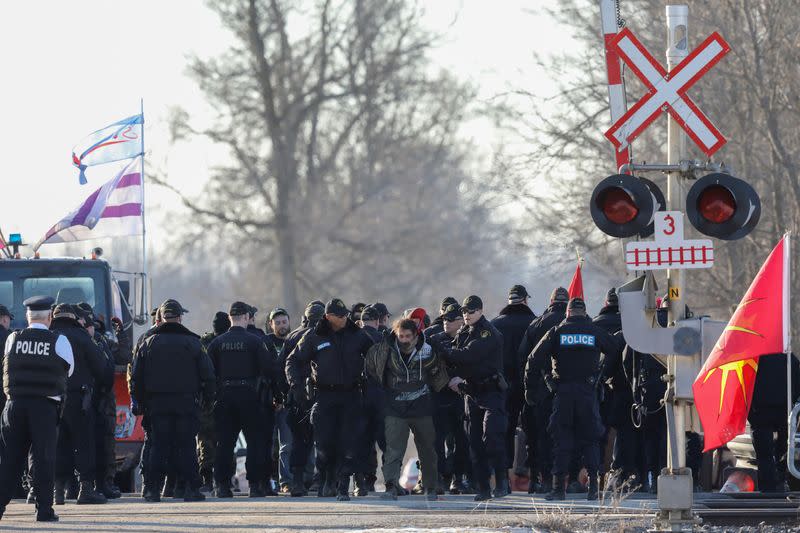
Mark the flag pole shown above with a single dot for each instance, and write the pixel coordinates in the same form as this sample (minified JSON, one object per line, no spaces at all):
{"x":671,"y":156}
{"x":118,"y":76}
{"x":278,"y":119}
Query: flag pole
{"x":144,"y":228}
{"x":787,"y":322}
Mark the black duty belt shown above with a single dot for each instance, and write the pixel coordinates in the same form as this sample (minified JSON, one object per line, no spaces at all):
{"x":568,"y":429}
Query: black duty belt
{"x":337,"y":388}
{"x":238,"y":383}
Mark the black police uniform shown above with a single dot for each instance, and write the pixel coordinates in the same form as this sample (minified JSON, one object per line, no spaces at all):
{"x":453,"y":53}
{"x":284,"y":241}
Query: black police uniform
{"x":452,"y":443}
{"x":477,"y":353}
{"x":76,"y":432}
{"x":366,"y":465}
{"x":338,"y":358}
{"x":4,"y":333}
{"x":536,"y":413}
{"x":645,"y":371}
{"x":241,"y":364}
{"x":169,"y":375}
{"x":513,"y":322}
{"x":575,"y":348}
{"x":138,"y":410}
{"x":105,"y":406}
{"x":35,"y":369}
{"x":768,"y":417}
{"x":615,"y":407}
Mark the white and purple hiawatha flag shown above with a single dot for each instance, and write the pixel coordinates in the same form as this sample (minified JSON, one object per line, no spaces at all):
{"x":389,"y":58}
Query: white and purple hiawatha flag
{"x":113,"y":210}
{"x":121,"y":140}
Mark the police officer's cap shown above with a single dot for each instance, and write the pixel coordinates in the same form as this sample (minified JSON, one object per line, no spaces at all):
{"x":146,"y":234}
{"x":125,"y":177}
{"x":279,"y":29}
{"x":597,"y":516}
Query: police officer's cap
{"x":239,"y":309}
{"x":336,"y":307}
{"x":472,"y":303}
{"x":39,"y":303}
{"x":65,"y":310}
{"x":253,"y":310}
{"x":171,"y":309}
{"x":153,"y":312}
{"x":5,"y":312}
{"x":611,"y":297}
{"x":577,"y":305}
{"x":517,"y":293}
{"x":559,"y":294}
{"x":86,"y":310}
{"x":278,"y":311}
{"x":369,"y":313}
{"x":448,"y":301}
{"x":382,"y":309}
{"x":314,"y":311}
{"x":452,"y":313}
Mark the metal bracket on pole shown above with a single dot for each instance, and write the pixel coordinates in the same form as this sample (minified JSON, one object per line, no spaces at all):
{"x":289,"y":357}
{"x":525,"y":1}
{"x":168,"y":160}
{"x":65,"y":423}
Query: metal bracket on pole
{"x":687,"y":168}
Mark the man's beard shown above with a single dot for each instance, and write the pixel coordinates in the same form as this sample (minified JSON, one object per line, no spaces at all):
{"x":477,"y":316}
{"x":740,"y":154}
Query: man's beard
{"x":405,"y":347}
{"x":282,"y":332}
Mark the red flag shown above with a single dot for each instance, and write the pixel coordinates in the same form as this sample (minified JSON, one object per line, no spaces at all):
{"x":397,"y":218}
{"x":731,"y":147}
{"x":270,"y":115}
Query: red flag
{"x":760,"y":325}
{"x":576,"y":285}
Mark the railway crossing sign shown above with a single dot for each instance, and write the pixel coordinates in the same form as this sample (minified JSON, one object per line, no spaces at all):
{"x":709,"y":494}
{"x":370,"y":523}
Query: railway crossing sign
{"x":667,"y":91}
{"x":669,"y":249}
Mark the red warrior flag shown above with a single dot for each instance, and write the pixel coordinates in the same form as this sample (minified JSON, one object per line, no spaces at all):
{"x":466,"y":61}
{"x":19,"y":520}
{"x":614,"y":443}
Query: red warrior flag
{"x":576,"y":285}
{"x":760,"y":325}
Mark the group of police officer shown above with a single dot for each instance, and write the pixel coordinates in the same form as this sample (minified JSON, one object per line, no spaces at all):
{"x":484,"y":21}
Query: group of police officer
{"x":58,"y":372}
{"x":566,"y":378}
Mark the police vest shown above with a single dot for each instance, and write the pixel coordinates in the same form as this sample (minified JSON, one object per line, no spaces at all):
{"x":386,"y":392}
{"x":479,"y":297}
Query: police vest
{"x":32,"y":367}
{"x":171,"y":364}
{"x":236,"y":356}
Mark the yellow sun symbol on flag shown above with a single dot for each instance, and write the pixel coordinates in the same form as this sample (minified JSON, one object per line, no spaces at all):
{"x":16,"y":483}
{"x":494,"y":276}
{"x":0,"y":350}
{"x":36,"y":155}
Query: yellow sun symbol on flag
{"x":727,"y":368}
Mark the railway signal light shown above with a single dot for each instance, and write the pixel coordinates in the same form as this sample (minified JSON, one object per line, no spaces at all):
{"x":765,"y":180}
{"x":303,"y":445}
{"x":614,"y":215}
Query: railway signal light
{"x":623,"y":205}
{"x":721,"y":206}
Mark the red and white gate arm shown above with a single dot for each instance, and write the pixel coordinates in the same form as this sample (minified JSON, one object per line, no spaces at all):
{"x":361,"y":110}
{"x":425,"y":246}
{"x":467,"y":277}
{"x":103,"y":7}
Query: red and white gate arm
{"x":667,"y":91}
{"x":616,"y":85}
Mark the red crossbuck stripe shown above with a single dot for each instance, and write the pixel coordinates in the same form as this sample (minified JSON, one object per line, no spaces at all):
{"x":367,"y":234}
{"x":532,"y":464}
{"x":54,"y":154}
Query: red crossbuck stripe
{"x":682,"y":255}
{"x":667,"y":91}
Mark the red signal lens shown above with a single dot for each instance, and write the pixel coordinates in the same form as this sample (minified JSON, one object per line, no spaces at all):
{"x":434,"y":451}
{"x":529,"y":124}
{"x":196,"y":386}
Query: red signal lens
{"x":716,"y":204}
{"x":617,"y":205}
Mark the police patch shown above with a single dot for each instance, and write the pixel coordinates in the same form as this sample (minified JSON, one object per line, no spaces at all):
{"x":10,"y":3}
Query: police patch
{"x":576,"y":339}
{"x":485,"y":333}
{"x":323,"y":346}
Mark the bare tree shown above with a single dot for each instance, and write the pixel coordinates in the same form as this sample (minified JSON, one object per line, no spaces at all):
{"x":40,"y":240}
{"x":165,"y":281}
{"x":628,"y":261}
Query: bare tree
{"x":345,"y":159}
{"x":752,"y":95}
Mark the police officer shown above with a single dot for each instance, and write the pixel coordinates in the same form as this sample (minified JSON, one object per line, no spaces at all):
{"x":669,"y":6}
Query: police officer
{"x":76,"y":432}
{"x":452,"y":444}
{"x":337,"y":347}
{"x":5,"y":324}
{"x":477,"y":354}
{"x":251,"y":323}
{"x":647,"y":415}
{"x":299,"y":408}
{"x":575,"y":348}
{"x":240,"y":362}
{"x":536,"y":415}
{"x":768,"y":420}
{"x":383,"y":317}
{"x":104,"y":404}
{"x":206,"y":436}
{"x":513,"y":322}
{"x":169,"y":375}
{"x":36,"y":365}
{"x":373,"y":421}
{"x":437,"y":326}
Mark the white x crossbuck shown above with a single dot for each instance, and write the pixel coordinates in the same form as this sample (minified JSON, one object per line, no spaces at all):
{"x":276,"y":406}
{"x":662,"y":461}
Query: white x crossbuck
{"x":667,"y":91}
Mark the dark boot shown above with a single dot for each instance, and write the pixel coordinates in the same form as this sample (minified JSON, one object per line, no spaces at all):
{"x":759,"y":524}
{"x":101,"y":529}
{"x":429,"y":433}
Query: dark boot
{"x":298,"y":488}
{"x":107,"y":489}
{"x":58,"y":493}
{"x":87,"y":494}
{"x":546,"y":486}
{"x":457,"y":486}
{"x":431,"y":495}
{"x":342,"y":489}
{"x":72,"y":489}
{"x":329,"y":488}
{"x":266,"y":486}
{"x":593,"y":488}
{"x":46,"y":515}
{"x":191,"y":494}
{"x":169,"y":487}
{"x":441,"y":485}
{"x":501,"y":487}
{"x":559,"y":491}
{"x":361,"y":485}
{"x":180,"y":489}
{"x":371,"y":479}
{"x":418,"y":488}
{"x":151,"y":492}
{"x":484,"y":493}
{"x":224,"y":491}
{"x":256,"y":490}
{"x":391,"y":491}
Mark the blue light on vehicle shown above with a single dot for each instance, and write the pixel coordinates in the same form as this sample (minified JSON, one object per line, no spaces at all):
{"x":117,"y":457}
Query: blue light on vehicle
{"x":15,"y":238}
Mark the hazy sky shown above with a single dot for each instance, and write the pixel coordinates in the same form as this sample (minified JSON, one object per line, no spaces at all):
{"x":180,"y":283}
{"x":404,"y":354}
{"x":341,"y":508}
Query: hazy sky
{"x":71,"y":67}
